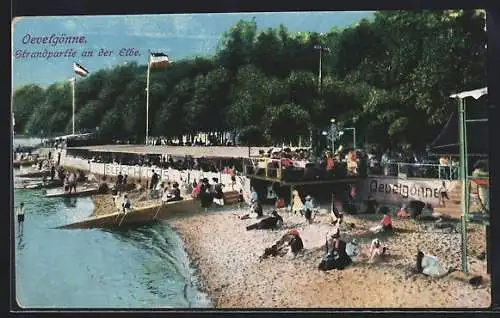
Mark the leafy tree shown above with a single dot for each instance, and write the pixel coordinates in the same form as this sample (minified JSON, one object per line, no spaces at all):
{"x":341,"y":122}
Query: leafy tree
{"x":26,"y":101}
{"x":389,"y":77}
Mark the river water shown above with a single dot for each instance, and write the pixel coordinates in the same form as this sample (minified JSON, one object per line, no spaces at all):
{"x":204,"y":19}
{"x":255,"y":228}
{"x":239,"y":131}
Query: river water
{"x":141,"y":267}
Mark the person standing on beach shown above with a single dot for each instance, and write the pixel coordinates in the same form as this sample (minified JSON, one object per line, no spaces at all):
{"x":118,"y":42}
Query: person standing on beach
{"x":254,"y":197}
{"x":444,"y":194}
{"x":20,"y":216}
{"x":119,"y":181}
{"x":126,"y":203}
{"x":72,"y":182}
{"x":124,"y":183}
{"x":52,"y":172}
{"x":218,"y":192}
{"x":154,"y":180}
{"x":58,"y":156}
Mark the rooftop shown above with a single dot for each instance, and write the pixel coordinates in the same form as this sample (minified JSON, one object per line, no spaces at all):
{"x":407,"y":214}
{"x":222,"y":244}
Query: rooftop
{"x":193,"y":151}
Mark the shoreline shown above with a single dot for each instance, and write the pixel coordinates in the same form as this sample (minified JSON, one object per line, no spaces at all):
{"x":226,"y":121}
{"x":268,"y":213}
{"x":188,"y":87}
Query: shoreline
{"x":225,"y":258}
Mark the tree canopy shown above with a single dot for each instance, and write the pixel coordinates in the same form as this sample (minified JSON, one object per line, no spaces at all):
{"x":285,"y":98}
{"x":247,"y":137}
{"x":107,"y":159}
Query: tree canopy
{"x":390,"y":77}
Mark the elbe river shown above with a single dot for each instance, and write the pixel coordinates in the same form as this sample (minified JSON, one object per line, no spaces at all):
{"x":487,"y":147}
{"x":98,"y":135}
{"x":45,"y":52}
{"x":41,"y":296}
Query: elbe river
{"x":140,"y":267}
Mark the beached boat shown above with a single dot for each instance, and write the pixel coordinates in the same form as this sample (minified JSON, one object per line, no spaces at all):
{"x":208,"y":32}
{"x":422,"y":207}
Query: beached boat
{"x":40,"y":184}
{"x":138,"y":215}
{"x":23,"y":163}
{"x":34,"y":174}
{"x":79,"y":193}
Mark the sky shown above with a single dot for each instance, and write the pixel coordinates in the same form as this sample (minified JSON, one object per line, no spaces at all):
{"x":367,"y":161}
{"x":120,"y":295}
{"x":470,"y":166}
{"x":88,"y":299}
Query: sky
{"x":177,"y":35}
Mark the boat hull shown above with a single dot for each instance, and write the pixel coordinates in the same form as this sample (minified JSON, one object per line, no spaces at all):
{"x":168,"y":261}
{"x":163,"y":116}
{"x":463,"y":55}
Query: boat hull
{"x":34,"y":174}
{"x":138,"y":216}
{"x":80,"y":193}
{"x":18,"y":164}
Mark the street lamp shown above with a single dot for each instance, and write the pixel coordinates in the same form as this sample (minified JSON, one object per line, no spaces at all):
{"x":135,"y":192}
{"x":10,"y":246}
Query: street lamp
{"x":320,"y":48}
{"x":334,"y":133}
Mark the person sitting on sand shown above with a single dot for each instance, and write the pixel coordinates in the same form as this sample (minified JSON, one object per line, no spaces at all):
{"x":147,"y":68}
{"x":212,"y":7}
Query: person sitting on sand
{"x":377,"y":251}
{"x":126,"y":203}
{"x":308,"y":209}
{"x":415,"y":208}
{"x":385,"y":225}
{"x":206,"y":195}
{"x":352,"y":248}
{"x":336,"y":255}
{"x":291,"y":239}
{"x":173,"y":194}
{"x":429,"y":265}
{"x":403,"y":212}
{"x":256,"y":212}
{"x":297,"y":205}
{"x":272,"y":222}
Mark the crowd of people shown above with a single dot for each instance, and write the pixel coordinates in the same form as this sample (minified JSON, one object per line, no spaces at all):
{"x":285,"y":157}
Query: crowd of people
{"x":339,"y":252}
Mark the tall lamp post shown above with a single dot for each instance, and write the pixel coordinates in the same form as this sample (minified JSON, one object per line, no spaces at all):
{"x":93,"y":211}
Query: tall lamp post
{"x":464,"y":174}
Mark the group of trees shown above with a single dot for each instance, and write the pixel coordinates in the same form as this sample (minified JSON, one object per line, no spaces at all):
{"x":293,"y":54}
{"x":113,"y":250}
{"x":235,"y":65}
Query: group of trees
{"x":390,"y":77}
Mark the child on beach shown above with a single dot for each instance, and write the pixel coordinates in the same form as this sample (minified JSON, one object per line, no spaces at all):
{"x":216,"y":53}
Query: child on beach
{"x":444,"y":194}
{"x":308,"y":207}
{"x":377,"y":251}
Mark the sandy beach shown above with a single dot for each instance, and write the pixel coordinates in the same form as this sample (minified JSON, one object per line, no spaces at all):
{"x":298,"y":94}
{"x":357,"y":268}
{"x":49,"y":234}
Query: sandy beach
{"x":226,"y":257}
{"x":227,"y":260}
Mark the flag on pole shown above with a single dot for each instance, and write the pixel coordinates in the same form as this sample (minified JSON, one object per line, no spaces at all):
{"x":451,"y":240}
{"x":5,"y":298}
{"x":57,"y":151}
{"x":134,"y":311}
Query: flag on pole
{"x":158,"y":60}
{"x":80,"y":70}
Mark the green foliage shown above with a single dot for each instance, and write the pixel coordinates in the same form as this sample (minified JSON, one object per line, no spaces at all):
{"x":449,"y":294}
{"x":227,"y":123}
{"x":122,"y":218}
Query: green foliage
{"x":393,"y":74}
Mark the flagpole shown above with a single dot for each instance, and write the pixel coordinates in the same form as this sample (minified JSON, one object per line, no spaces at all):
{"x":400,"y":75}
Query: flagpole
{"x":73,"y":93}
{"x":147,"y":97}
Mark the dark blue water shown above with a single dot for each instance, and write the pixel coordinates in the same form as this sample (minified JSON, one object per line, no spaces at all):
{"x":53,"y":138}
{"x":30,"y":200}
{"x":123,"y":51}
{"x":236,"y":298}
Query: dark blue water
{"x":143,"y":267}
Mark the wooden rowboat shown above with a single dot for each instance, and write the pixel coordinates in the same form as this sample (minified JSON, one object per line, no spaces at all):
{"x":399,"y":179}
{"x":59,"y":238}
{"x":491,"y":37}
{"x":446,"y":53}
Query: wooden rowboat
{"x":34,"y":174}
{"x":137,"y":215}
{"x":23,"y":163}
{"x":79,"y":193}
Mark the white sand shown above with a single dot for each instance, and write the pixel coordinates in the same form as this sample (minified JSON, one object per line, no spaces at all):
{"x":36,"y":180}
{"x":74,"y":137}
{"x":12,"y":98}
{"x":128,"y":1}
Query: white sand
{"x":226,"y":256}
